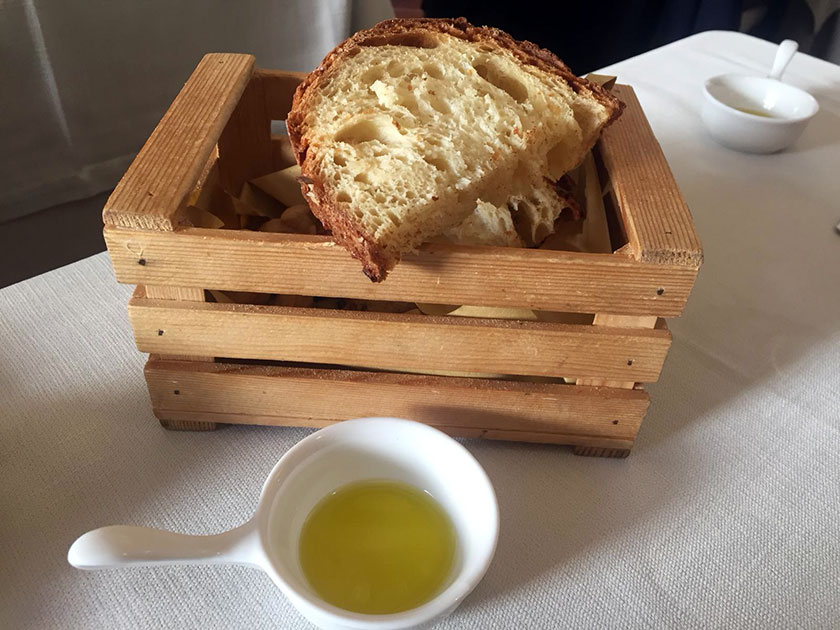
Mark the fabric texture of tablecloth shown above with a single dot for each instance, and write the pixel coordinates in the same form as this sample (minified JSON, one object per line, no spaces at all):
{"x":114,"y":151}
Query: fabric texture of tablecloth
{"x":725,"y":515}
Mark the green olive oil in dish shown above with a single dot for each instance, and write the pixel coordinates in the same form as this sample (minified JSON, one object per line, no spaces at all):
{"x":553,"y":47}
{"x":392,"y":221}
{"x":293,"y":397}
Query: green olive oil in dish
{"x":377,"y":547}
{"x":755,"y":112}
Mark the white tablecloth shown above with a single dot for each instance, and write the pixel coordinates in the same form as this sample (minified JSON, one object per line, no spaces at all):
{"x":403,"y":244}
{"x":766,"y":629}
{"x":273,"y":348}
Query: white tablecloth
{"x":725,"y":515}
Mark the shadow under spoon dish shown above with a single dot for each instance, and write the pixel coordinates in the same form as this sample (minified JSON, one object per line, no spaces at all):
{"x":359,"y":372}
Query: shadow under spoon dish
{"x":757,"y":114}
{"x":348,"y":452}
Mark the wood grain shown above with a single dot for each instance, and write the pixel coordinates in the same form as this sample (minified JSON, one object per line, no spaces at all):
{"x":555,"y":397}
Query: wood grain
{"x":177,"y":424}
{"x":188,"y":294}
{"x":656,"y":218}
{"x":186,"y":418}
{"x":238,"y":393}
{"x":597,"y":451}
{"x":439,"y":274}
{"x":401,"y":341}
{"x":185,"y":294}
{"x":279,"y":88}
{"x":210,"y":198}
{"x":176,"y":293}
{"x":245,"y":150}
{"x":619,"y":321}
{"x":152,"y":193}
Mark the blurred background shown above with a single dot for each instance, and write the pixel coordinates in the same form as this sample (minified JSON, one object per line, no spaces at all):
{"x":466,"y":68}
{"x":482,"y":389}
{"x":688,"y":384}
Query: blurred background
{"x":84,"y":83}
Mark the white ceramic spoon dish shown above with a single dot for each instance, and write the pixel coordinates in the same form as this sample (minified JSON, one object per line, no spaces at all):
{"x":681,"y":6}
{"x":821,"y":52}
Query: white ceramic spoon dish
{"x":757,"y":114}
{"x":370,"y":448}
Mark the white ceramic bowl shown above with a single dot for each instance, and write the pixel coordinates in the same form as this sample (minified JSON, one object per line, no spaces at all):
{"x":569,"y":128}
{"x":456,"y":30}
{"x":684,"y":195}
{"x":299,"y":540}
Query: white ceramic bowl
{"x":379,"y":448}
{"x":786,"y":110}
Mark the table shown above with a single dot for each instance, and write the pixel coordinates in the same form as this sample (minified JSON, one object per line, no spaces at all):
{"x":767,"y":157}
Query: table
{"x":725,"y":515}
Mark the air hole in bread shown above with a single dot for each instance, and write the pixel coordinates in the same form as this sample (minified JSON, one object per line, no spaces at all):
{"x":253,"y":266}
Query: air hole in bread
{"x":498,"y":77}
{"x":373,"y":74}
{"x":438,"y":162}
{"x":439,"y":105}
{"x":362,"y":178}
{"x":558,"y":160}
{"x":339,"y":160}
{"x":396,"y":68}
{"x":414,"y":40}
{"x":380,"y":128}
{"x":433,"y":71}
{"x":342,"y":196}
{"x":410,"y":103}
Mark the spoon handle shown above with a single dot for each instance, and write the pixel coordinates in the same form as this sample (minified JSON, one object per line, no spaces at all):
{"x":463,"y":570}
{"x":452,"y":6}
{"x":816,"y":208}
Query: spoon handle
{"x":787,"y":49}
{"x":124,"y":545}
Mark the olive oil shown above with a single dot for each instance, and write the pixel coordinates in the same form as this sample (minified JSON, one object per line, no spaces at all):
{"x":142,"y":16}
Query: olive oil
{"x":377,"y":547}
{"x":754,"y":112}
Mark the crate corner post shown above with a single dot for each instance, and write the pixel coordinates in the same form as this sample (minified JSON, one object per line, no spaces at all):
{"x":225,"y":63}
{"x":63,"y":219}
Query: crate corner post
{"x":214,"y":110}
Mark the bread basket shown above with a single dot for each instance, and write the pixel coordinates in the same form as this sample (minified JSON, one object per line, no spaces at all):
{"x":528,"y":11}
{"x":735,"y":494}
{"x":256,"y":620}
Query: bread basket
{"x":222,"y":363}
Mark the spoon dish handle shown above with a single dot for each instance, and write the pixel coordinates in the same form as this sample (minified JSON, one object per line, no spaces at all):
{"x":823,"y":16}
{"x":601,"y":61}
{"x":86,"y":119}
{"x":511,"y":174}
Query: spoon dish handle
{"x":125,"y":545}
{"x":787,"y":49}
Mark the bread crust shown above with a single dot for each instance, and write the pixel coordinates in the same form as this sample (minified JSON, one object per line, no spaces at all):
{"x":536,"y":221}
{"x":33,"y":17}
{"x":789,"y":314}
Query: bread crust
{"x":376,"y":260}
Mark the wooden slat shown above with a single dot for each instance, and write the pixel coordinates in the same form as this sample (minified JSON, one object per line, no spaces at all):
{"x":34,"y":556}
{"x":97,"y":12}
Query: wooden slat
{"x":152,"y":193}
{"x":173,"y":293}
{"x":245,"y":150}
{"x":188,"y":295}
{"x":279,"y":88}
{"x":209,"y":174}
{"x":656,"y":218}
{"x":287,"y":396}
{"x":185,"y":294}
{"x":619,"y":321}
{"x":184,"y":420}
{"x":439,"y":274}
{"x":397,"y":341}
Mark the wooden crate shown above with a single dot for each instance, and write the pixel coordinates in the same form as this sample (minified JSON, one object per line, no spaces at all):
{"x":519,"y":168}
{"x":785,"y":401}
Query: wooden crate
{"x":215,"y":363}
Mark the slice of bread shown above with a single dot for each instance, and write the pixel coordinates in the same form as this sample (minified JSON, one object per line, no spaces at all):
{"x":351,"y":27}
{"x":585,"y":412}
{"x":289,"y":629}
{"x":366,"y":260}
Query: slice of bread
{"x":535,"y":213}
{"x":403,"y":128}
{"x":524,"y":221}
{"x":485,"y":225}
